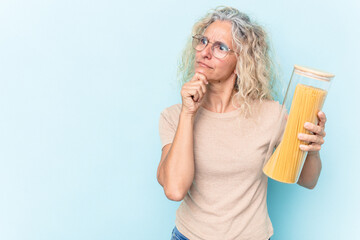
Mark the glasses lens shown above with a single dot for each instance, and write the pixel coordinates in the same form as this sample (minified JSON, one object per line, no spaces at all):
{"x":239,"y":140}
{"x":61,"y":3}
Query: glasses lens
{"x":220,"y":50}
{"x":199,"y":42}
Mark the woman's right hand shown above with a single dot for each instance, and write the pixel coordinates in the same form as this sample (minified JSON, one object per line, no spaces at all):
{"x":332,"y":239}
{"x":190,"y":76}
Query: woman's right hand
{"x":192,"y":93}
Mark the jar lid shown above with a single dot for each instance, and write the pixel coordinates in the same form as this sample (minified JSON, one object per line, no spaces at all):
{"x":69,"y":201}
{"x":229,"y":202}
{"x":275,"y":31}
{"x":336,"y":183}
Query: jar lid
{"x":313,"y":73}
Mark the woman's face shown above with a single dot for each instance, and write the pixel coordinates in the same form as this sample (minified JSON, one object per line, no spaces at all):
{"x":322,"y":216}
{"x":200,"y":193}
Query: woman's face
{"x":212,"y":67}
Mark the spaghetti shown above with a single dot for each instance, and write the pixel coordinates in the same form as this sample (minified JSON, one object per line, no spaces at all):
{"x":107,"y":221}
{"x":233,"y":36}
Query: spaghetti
{"x":287,"y":161}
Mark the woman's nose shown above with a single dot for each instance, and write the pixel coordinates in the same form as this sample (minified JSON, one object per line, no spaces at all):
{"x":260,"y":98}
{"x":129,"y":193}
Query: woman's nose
{"x":206,"y":52}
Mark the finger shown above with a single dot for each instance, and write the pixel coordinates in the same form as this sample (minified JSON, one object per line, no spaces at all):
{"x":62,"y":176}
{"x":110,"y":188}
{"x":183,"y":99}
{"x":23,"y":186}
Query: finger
{"x":199,"y":81}
{"x":198,"y":93}
{"x":201,"y":94}
{"x":190,"y":92}
{"x":199,"y":85}
{"x":315,"y":128}
{"x":195,"y":96}
{"x":311,"y":138}
{"x":198,"y":76}
{"x":202,"y":78}
{"x":205,"y":81}
{"x":322,"y":118}
{"x":202,"y":86}
{"x":310,"y":148}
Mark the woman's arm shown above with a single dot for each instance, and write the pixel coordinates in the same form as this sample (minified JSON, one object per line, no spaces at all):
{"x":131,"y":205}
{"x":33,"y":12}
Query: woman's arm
{"x":311,"y":171}
{"x":176,"y":171}
{"x":312,"y":166}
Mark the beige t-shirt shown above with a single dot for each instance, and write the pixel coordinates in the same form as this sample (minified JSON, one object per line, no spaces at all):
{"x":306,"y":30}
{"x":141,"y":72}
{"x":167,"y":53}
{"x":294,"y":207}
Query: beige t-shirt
{"x":227,"y":199}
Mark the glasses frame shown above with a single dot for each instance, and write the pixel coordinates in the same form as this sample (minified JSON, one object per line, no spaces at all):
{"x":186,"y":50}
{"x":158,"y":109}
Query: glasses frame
{"x":199,"y":36}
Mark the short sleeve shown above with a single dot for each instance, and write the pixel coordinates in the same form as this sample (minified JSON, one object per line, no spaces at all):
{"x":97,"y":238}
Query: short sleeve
{"x":281,"y":125}
{"x":167,"y":129}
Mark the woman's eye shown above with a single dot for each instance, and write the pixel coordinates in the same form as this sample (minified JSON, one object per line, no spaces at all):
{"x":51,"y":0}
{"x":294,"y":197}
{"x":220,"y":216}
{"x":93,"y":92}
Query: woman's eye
{"x":203,"y":41}
{"x":223,"y":47}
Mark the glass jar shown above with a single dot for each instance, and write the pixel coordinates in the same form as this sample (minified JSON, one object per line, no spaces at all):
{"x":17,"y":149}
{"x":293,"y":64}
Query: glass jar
{"x":303,"y":100}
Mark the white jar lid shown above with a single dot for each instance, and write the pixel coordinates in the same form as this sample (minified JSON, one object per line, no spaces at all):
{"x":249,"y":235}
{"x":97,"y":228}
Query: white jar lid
{"x":313,"y":73}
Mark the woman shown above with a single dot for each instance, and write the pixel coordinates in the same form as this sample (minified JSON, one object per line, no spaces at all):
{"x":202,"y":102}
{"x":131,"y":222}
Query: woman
{"x":215,"y":143}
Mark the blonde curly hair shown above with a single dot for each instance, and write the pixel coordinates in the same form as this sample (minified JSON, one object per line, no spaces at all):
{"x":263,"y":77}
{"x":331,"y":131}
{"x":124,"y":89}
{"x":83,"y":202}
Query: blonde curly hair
{"x":255,"y":68}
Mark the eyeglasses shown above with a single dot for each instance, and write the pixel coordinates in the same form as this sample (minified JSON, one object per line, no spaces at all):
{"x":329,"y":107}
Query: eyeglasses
{"x":219,"y":49}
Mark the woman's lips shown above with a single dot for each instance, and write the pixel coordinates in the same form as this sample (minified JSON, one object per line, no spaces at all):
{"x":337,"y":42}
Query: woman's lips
{"x":203,"y":65}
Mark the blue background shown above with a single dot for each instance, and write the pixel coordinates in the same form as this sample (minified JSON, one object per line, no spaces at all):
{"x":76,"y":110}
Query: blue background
{"x":82,"y":85}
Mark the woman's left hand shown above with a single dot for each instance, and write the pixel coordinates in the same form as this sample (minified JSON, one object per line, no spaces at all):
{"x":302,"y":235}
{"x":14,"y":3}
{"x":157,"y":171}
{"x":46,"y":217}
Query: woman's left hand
{"x":316,"y":139}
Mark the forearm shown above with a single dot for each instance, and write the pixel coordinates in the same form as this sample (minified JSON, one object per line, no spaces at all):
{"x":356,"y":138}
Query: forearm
{"x":178,"y":168}
{"x":311,"y":170}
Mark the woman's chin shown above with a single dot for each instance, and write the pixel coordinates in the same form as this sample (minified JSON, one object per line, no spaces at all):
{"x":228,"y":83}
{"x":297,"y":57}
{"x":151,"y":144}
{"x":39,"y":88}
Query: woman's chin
{"x":202,"y":71}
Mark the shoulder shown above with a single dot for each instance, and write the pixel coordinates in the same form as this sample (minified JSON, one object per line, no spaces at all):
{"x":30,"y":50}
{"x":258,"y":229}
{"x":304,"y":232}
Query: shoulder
{"x":274,"y":111}
{"x":173,"y":109}
{"x":271,"y":103}
{"x":172,"y":112}
{"x":267,"y":110}
{"x":269,"y":106}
